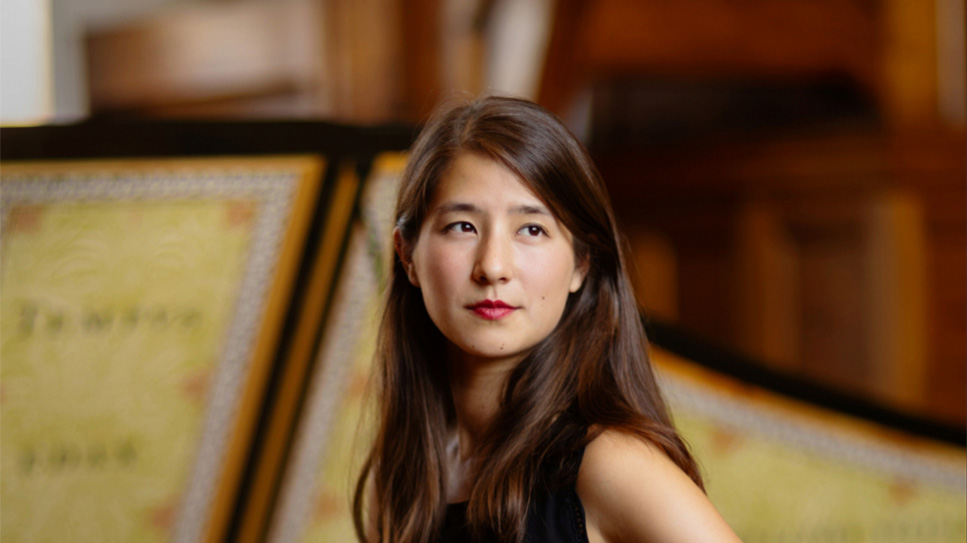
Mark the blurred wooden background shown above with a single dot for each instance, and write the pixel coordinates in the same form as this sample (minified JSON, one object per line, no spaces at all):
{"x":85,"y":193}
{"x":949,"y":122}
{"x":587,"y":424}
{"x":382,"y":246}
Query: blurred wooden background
{"x":790,"y":173}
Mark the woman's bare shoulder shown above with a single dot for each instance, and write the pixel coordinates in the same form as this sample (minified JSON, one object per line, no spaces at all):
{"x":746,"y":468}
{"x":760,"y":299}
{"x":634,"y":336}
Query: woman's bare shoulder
{"x":631,"y":491}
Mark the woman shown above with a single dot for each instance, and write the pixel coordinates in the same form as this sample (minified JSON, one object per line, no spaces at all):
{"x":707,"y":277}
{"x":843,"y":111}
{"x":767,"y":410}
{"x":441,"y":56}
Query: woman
{"x":516,"y":396}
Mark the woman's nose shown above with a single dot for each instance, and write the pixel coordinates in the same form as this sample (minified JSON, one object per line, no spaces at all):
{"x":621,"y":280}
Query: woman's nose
{"x":494,"y":260}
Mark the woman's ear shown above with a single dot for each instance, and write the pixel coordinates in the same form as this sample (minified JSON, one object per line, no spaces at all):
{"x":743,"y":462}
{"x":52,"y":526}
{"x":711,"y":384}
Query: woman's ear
{"x":405,"y":257}
{"x":580,"y":273}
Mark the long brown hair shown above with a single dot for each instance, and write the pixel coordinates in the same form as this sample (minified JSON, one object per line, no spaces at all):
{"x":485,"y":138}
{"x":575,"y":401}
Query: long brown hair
{"x":591,"y":373}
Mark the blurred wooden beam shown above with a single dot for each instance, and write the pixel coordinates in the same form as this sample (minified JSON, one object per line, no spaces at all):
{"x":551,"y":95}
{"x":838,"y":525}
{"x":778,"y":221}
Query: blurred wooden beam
{"x":204,"y":54}
{"x":707,"y":38}
{"x":908,"y":61}
{"x":422,"y":82}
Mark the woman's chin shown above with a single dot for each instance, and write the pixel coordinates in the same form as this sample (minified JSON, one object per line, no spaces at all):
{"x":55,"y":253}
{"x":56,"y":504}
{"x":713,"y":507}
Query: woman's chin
{"x":487,"y":354}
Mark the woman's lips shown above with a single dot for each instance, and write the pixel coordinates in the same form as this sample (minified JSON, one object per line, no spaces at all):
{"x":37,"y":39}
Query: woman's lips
{"x":491,"y":309}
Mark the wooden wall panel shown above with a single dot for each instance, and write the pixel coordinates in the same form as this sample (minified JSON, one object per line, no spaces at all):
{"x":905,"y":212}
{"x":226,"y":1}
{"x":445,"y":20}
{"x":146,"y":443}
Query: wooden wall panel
{"x":838,"y":258}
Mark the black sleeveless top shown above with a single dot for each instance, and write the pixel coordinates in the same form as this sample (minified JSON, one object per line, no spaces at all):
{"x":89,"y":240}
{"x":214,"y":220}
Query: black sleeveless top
{"x":554,"y":517}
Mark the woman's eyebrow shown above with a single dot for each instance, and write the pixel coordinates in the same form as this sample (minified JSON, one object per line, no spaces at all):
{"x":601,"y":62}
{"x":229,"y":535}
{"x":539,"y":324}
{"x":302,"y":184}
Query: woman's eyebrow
{"x":526,"y":209}
{"x":456,"y":207}
{"x":466,"y":207}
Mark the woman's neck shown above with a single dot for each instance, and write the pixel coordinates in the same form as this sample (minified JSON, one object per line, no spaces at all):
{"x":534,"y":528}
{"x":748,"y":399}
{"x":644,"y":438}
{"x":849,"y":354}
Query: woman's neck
{"x":476,"y":387}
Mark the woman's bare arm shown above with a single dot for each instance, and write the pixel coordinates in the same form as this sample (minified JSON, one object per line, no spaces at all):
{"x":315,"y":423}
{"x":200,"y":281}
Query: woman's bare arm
{"x":632,"y":492}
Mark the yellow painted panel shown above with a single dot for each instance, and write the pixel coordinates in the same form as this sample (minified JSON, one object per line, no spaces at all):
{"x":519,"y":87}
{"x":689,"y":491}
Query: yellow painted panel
{"x":113,"y":316}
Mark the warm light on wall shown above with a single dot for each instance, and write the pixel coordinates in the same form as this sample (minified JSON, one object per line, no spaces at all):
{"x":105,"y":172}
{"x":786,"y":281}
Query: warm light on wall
{"x":26,"y":81}
{"x":951,"y":55}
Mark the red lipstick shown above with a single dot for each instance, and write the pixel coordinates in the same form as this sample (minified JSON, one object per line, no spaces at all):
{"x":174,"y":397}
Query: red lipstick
{"x":491,"y":309}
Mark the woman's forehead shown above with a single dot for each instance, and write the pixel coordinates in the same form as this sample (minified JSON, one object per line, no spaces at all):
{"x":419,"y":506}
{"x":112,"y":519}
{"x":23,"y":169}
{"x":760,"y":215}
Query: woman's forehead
{"x":474,"y":180}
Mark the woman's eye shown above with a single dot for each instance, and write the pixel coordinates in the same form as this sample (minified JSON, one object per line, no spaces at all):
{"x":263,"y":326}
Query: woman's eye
{"x":533,"y":230}
{"x":462,"y":227}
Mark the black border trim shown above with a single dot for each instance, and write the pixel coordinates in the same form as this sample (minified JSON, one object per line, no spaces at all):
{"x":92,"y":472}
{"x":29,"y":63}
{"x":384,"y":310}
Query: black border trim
{"x":689,"y":346}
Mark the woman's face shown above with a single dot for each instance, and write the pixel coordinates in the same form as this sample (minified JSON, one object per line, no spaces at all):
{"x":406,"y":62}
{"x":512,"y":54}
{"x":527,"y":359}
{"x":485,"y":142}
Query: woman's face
{"x":495,"y":267}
